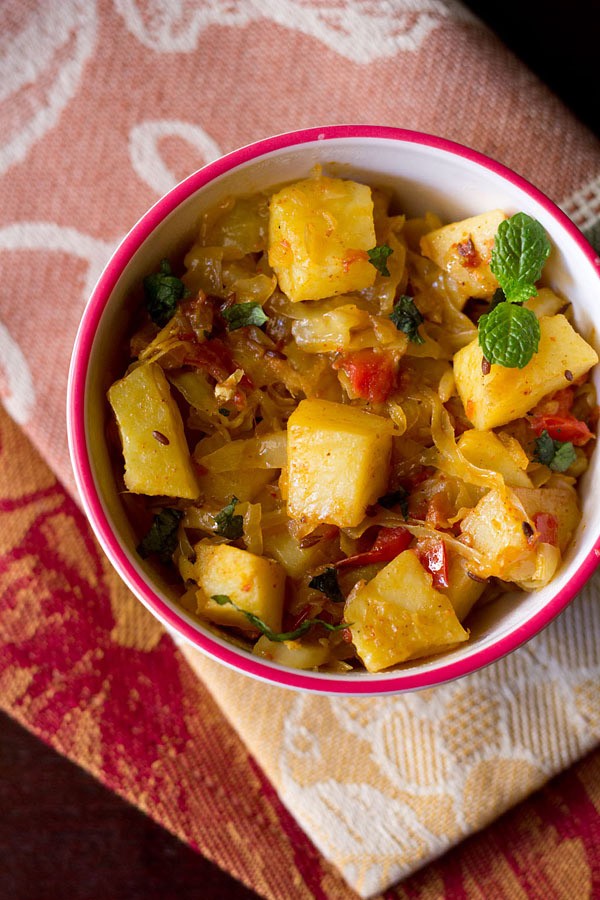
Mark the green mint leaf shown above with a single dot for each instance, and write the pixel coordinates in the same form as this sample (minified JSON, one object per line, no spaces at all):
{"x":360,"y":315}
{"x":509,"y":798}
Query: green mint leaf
{"x":279,"y":636}
{"x":407,"y":318}
{"x":396,"y":498}
{"x":378,"y":257}
{"x":509,"y":335}
{"x":327,"y":583}
{"x":557,"y":455}
{"x":161,"y":539}
{"x":227,"y":524}
{"x":162,"y":291}
{"x":241,"y":314}
{"x":520,"y":250}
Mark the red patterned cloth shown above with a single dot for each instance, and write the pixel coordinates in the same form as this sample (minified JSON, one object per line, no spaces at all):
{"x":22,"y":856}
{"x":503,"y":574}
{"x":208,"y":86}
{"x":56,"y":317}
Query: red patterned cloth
{"x":88,"y":670}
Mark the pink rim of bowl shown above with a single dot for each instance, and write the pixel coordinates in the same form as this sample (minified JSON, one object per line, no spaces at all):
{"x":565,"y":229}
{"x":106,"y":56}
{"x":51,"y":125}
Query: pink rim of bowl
{"x":365,"y":684}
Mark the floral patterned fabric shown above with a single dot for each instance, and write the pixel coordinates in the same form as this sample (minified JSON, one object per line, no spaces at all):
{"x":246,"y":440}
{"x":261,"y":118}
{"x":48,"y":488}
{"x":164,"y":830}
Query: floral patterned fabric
{"x":104,"y":106}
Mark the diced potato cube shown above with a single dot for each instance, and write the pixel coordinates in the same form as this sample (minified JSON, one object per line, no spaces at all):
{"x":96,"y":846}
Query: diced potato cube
{"x":306,"y":654}
{"x":497,"y":528}
{"x":545,"y":303}
{"x":562,"y":503}
{"x":487,"y":451}
{"x":338,"y":462}
{"x":319,"y":232}
{"x":157,"y":457}
{"x":398,"y":615}
{"x":463,"y":592}
{"x":254,"y":583}
{"x":464,"y":249}
{"x":505,"y":394}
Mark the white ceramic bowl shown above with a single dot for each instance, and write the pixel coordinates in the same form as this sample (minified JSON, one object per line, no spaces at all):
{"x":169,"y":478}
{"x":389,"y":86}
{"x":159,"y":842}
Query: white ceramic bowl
{"x":425,"y":173}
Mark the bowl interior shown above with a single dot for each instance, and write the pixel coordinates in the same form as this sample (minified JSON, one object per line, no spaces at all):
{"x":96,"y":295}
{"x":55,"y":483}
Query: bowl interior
{"x":424,"y":174}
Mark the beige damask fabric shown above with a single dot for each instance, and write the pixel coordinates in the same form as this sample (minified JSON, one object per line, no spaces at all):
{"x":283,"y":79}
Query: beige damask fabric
{"x":104,"y":106}
{"x":383,"y":785}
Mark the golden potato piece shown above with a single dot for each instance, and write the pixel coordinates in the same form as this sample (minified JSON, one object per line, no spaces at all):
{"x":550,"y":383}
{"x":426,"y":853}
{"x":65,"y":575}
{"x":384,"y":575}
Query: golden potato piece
{"x":254,"y":583}
{"x":319,"y":232}
{"x":399,"y":616}
{"x":500,"y":530}
{"x":464,"y":250}
{"x":157,"y":457}
{"x":463,"y":592}
{"x":338,"y":462}
{"x":505,"y":394}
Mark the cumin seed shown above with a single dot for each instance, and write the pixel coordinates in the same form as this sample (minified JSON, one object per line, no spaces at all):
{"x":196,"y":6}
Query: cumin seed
{"x":161,"y":438}
{"x":476,"y":578}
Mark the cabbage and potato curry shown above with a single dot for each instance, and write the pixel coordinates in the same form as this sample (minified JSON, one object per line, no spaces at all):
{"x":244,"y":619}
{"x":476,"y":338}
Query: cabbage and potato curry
{"x":342,"y":428}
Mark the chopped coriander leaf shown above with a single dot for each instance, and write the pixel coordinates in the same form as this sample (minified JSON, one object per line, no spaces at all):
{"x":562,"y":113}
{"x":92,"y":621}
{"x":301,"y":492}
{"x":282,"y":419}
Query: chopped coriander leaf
{"x":509,"y":335}
{"x":396,"y":498}
{"x":557,"y":455}
{"x":162,"y":291}
{"x":327,"y":583}
{"x":521,"y":248}
{"x":280,"y":636}
{"x":544,"y":448}
{"x":241,"y":314}
{"x":227,"y":524}
{"x":378,"y":257}
{"x":161,"y":539}
{"x":564,"y":457}
{"x":407,"y":318}
{"x":224,"y":411}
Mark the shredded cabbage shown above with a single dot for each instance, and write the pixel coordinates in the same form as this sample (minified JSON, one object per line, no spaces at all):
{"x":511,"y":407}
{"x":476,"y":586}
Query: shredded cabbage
{"x":235,"y":391}
{"x":268,"y":451}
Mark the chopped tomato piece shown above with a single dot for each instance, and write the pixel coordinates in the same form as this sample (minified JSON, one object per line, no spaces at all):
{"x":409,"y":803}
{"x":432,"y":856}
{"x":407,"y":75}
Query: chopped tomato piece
{"x":387,"y":545}
{"x":372,"y":374}
{"x":433,"y":557}
{"x":562,"y":428}
{"x":559,"y":404}
{"x":439,"y":510}
{"x":547,"y":528}
{"x":199,"y":313}
{"x":214,"y":357}
{"x":469,"y":256}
